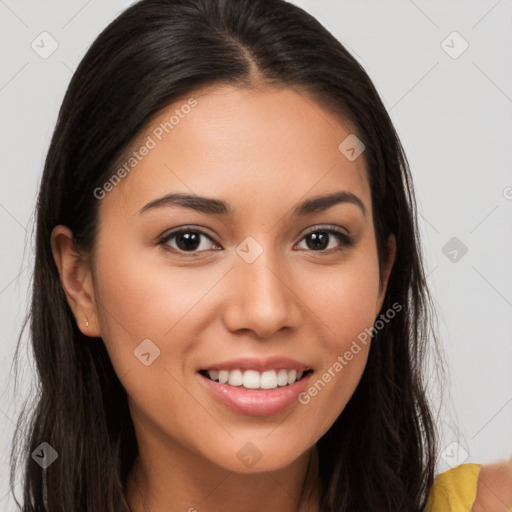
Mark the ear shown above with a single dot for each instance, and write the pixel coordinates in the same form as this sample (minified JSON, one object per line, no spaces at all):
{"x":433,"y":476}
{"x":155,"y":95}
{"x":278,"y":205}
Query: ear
{"x":76,"y":279}
{"x":386,"y":269}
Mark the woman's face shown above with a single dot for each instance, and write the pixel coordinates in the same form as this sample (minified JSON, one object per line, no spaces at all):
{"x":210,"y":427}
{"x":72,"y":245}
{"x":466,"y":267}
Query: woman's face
{"x":257,"y":286}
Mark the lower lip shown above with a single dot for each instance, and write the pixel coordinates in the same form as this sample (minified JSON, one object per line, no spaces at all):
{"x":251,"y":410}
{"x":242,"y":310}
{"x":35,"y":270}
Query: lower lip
{"x":255,"y":402}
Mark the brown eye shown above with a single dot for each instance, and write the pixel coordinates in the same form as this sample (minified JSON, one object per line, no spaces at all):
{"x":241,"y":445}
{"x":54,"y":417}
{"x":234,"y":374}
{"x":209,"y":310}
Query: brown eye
{"x":187,"y":241}
{"x":321,"y":240}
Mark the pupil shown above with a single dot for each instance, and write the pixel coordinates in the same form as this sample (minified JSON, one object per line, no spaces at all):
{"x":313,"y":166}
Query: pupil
{"x":190,"y":241}
{"x":319,"y":240}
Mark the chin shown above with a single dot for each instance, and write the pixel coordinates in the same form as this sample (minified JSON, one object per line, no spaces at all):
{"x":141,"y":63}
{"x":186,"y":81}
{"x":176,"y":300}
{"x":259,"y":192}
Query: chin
{"x":258,"y":456}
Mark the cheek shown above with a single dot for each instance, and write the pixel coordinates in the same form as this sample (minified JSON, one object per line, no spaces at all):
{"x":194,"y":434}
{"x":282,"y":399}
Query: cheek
{"x":345,"y":302}
{"x":345,"y":297}
{"x":140,"y":301}
{"x":142,"y":297}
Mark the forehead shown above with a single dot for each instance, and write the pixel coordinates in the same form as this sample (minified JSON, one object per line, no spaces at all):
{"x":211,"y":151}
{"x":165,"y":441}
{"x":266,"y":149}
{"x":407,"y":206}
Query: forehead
{"x":251,"y":145}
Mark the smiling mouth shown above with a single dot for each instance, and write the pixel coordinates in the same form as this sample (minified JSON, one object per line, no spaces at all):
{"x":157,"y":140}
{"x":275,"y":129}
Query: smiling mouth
{"x":253,"y":379}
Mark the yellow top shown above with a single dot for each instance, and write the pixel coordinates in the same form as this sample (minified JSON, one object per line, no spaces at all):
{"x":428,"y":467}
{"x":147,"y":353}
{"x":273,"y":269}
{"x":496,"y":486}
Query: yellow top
{"x":455,"y":489}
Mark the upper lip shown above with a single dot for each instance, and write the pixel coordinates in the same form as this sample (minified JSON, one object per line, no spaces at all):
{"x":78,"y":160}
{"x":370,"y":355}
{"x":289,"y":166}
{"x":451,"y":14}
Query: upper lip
{"x":260,"y":365}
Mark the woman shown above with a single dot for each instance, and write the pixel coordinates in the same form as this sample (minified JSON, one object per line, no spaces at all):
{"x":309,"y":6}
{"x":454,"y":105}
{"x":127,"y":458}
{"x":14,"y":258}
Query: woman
{"x":229,"y":305}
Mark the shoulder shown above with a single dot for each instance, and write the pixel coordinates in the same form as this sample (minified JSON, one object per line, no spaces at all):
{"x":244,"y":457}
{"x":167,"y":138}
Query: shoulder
{"x":455,"y":489}
{"x":494,"y":491}
{"x":473,"y":487}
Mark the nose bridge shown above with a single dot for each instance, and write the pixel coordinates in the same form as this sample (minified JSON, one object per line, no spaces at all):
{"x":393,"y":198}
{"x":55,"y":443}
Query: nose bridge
{"x":263,"y":300}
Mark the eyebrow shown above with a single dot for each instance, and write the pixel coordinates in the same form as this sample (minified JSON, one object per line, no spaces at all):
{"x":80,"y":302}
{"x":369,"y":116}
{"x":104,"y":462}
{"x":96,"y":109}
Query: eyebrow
{"x":218,"y":207}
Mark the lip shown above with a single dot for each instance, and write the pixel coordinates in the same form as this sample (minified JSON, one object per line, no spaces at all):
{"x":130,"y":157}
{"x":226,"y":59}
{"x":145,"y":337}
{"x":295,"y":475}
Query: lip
{"x":255,"y":402}
{"x":260,"y":365}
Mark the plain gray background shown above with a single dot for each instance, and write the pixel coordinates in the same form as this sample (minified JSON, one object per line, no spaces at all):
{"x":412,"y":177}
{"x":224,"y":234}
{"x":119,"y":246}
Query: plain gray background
{"x":443,"y":71}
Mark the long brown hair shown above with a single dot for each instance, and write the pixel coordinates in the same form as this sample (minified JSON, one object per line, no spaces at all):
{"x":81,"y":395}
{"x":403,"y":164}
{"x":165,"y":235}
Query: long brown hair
{"x":380,"y":453}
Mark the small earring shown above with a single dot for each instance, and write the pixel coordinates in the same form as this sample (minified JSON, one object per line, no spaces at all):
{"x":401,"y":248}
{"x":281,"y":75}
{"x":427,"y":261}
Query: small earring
{"x":87,"y":323}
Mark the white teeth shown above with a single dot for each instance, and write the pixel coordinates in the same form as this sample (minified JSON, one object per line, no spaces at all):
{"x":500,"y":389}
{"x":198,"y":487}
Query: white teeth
{"x":282,"y":378}
{"x":236,"y":378}
{"x":268,"y":380}
{"x":252,"y":379}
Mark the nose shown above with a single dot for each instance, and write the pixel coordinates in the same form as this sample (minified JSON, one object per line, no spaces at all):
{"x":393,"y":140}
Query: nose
{"x":262,"y":298}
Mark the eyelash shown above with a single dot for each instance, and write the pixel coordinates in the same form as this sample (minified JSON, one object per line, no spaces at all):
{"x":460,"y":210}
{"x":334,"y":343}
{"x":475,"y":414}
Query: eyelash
{"x":345,"y":239}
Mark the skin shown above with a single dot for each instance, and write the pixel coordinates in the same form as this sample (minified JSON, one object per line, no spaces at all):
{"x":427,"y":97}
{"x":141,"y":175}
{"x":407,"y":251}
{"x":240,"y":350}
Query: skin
{"x":263,"y":151}
{"x":494,"y":488}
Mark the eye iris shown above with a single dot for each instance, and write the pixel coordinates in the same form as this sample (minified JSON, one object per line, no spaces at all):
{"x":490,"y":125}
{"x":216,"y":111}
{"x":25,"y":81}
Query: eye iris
{"x":188,"y":241}
{"x":319,"y":240}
